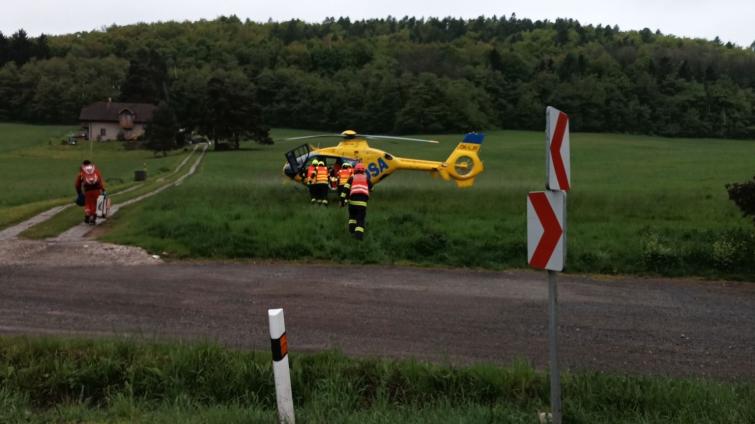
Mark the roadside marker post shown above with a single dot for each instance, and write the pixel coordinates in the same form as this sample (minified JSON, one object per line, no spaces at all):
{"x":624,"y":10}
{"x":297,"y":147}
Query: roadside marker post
{"x":546,"y":234}
{"x":557,"y":157}
{"x":279,"y":344}
{"x":546,"y":229}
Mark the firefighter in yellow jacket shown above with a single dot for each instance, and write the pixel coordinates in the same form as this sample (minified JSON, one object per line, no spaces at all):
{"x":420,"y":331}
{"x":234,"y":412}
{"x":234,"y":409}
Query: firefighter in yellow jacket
{"x":357,"y":193}
{"x":310,"y":182}
{"x":320,"y":179}
{"x":344,"y":174}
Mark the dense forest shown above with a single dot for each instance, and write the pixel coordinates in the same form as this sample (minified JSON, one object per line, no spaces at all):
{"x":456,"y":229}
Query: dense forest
{"x":389,"y":75}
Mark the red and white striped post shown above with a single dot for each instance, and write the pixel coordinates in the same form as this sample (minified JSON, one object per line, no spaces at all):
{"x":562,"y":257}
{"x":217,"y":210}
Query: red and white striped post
{"x":279,"y":345}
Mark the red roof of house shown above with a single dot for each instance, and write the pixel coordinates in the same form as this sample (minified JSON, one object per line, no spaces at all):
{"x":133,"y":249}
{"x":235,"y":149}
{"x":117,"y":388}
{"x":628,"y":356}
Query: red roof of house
{"x":109,"y":111}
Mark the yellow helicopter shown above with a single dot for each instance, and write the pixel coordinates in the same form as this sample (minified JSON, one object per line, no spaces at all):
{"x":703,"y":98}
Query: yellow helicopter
{"x":462,"y":166}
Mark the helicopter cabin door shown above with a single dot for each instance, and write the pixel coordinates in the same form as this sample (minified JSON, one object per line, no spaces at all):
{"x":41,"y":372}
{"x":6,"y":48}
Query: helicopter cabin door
{"x":297,"y":158}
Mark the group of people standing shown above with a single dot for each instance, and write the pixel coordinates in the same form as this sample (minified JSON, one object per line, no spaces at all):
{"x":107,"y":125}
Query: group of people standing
{"x":353,"y":187}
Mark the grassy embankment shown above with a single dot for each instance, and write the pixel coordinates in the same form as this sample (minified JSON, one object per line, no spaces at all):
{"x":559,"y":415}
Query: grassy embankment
{"x":38,"y":172}
{"x":43,"y":380}
{"x":639,"y":205}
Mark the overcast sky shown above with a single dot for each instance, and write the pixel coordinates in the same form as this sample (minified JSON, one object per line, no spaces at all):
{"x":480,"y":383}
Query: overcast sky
{"x":731,"y":20}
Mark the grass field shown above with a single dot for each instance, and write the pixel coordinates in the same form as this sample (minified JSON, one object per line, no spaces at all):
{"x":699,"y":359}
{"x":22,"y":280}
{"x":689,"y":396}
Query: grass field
{"x":52,"y":380}
{"x":39,"y":172}
{"x":638,"y":205}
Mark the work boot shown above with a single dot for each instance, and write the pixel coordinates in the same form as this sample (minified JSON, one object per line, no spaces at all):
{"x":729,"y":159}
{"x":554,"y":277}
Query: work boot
{"x":86,"y":219}
{"x":93,"y":220}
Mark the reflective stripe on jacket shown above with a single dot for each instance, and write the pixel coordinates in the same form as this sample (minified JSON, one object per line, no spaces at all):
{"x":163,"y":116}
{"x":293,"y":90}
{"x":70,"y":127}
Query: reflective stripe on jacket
{"x":360,"y":185}
{"x":322,"y":175}
{"x":343,"y":175}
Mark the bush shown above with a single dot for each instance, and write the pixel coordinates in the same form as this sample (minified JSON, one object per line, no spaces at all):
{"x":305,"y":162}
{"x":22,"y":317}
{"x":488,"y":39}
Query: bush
{"x":726,"y":252}
{"x":657,"y":256}
{"x":743,"y":194}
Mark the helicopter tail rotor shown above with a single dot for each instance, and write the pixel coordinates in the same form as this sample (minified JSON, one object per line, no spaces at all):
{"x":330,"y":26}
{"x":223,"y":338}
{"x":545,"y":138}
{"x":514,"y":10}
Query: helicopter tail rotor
{"x":464,"y":163}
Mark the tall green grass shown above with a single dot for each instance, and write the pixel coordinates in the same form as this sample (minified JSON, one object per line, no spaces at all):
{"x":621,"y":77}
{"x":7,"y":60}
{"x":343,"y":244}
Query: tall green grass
{"x":70,"y":380}
{"x":639,"y":205}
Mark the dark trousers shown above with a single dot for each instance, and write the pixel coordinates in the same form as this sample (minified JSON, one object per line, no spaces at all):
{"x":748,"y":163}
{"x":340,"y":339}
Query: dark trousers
{"x":322,"y":193}
{"x":312,"y":192}
{"x":357,"y":216}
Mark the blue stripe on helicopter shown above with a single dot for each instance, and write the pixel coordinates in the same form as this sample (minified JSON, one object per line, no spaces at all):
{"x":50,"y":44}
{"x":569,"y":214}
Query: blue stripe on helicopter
{"x":474,"y":138}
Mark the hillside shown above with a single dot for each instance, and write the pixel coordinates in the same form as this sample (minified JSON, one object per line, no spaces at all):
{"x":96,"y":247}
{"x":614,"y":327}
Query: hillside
{"x":394,"y":75}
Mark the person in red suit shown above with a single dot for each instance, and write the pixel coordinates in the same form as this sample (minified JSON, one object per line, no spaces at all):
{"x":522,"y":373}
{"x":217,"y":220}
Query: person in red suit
{"x":89,"y":186}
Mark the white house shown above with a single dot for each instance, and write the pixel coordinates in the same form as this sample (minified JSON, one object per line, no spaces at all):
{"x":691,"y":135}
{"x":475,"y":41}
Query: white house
{"x":115,"y":121}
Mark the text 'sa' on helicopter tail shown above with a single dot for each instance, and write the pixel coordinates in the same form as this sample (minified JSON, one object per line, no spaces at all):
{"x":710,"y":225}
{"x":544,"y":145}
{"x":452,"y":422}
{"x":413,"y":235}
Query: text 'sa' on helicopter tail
{"x":464,"y":163}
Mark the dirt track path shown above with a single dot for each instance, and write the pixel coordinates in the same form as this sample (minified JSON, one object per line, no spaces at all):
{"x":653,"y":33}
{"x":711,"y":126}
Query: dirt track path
{"x":79,"y":231}
{"x":674,"y":327}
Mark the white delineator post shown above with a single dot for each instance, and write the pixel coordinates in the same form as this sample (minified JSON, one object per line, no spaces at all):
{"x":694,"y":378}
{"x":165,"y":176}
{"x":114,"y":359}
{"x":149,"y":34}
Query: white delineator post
{"x":279,"y":345}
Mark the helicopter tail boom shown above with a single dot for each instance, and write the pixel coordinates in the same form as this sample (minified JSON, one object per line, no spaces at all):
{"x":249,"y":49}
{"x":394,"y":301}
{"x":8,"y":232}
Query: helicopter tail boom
{"x":462,"y":166}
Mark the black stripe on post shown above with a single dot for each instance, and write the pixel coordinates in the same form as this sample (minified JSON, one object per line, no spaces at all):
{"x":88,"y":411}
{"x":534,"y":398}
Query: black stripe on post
{"x":279,"y":347}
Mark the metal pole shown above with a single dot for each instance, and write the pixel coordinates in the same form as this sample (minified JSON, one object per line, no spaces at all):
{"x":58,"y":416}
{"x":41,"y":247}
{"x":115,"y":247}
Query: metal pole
{"x":553,"y":348}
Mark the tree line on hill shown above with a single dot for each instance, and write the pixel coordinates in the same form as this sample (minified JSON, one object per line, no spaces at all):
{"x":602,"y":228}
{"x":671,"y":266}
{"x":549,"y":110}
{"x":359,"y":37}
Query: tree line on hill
{"x":229,"y":79}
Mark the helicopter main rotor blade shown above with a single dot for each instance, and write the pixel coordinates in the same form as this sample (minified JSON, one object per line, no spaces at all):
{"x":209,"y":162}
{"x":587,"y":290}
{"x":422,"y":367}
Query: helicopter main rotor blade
{"x":390,"y":137}
{"x":312,"y":136}
{"x":367,"y":136}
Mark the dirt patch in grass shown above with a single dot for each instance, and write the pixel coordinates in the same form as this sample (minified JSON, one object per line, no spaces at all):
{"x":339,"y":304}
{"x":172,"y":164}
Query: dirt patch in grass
{"x":80,"y":253}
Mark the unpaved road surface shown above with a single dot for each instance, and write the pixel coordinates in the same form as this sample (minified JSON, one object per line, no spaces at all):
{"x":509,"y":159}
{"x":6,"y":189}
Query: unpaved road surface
{"x":645,"y":326}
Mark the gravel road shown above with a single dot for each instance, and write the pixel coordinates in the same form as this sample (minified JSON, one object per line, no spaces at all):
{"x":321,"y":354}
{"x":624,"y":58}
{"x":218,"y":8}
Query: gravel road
{"x":635,"y":325}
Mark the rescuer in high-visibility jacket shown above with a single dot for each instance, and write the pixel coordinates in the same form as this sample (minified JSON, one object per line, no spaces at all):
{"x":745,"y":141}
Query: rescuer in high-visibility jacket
{"x":344,"y":174}
{"x":310,"y":170}
{"x":333,"y":176}
{"x":358,"y":188}
{"x":89,"y":185}
{"x":320,"y":179}
{"x":309,"y":181}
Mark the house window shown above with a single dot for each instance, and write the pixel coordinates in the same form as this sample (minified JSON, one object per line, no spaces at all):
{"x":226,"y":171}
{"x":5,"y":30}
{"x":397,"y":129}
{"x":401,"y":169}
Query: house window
{"x":103,"y":132}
